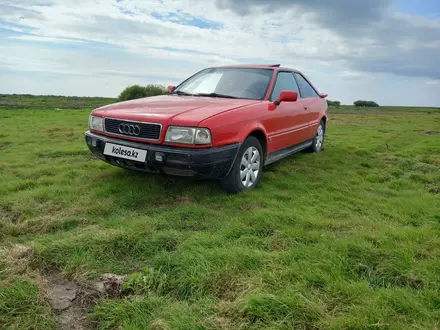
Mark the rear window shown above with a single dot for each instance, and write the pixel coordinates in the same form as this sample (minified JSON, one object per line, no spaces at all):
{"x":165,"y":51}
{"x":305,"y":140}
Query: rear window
{"x":305,"y":88}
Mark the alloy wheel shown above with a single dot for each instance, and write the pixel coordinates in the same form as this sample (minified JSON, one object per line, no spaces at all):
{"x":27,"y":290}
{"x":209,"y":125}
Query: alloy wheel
{"x":319,"y":137}
{"x":250,"y":167}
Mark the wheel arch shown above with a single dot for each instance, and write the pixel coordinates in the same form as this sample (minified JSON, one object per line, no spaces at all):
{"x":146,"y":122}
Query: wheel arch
{"x":325,"y":120}
{"x":229,"y":182}
{"x":262,"y":138}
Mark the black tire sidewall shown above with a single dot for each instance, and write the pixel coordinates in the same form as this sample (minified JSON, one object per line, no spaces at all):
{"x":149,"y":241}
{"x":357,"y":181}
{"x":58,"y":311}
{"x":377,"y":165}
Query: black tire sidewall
{"x":233,"y":181}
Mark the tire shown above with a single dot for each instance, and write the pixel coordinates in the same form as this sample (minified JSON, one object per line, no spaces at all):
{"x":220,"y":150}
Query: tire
{"x":233,"y":183}
{"x":318,"y":140}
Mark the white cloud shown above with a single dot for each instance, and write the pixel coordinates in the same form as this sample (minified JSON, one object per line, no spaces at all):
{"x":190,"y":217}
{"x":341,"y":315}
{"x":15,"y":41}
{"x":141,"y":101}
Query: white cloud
{"x":348,"y":74}
{"x":124,"y":41}
{"x":47,"y":39}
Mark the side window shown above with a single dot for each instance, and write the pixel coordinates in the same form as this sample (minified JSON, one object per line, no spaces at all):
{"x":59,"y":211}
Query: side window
{"x":285,"y":81}
{"x":304,"y":87}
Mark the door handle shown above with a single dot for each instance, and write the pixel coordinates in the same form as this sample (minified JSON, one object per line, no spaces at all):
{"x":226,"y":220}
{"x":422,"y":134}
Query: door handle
{"x":306,"y":107}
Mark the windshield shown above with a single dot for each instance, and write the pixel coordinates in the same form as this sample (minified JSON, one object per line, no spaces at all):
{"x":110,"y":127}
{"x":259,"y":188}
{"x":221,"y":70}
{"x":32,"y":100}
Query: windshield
{"x":245,"y":83}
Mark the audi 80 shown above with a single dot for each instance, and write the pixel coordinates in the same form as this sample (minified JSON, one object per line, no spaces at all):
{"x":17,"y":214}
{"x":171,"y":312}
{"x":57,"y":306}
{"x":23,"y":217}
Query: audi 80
{"x":224,"y":123}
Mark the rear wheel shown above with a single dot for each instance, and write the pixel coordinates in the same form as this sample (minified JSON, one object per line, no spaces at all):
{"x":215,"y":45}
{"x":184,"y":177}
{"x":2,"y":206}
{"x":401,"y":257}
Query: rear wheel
{"x":246,"y":171}
{"x":318,"y":140}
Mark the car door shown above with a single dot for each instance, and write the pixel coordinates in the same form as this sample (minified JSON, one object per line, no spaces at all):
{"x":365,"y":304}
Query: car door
{"x":311,"y":100}
{"x":287,"y":125}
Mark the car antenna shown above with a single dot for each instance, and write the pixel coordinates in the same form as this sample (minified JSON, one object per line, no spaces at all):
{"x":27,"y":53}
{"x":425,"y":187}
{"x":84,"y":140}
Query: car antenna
{"x":275,"y":65}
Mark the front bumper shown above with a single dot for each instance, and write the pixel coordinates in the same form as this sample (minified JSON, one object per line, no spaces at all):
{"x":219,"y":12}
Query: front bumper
{"x":215,"y":162}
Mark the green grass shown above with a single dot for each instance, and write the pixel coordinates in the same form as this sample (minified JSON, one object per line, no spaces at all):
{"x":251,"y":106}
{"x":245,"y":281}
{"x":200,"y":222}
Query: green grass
{"x":386,"y":108}
{"x":26,"y":101}
{"x":344,"y":239}
{"x":21,"y":306}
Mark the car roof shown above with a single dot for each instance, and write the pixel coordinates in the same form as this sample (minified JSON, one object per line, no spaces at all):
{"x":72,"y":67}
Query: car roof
{"x":258,"y":66}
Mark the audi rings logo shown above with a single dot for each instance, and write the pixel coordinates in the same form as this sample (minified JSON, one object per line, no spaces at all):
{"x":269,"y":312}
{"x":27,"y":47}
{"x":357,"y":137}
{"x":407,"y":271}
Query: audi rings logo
{"x":129,"y":129}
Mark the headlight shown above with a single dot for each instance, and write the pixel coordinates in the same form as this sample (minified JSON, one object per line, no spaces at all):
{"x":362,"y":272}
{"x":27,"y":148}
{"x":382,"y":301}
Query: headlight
{"x":95,"y":123}
{"x":188,"y":135}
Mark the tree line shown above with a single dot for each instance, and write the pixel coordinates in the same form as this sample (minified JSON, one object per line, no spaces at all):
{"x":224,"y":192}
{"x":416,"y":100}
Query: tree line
{"x":333,"y":103}
{"x":362,"y":103}
{"x":137,"y":91}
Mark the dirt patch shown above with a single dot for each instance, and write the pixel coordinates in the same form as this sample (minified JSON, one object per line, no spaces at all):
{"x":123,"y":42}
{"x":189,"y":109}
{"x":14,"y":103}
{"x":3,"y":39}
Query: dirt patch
{"x":62,"y":293}
{"x":64,"y":299}
{"x":428,"y":132}
{"x":110,"y":285}
{"x":71,"y":301}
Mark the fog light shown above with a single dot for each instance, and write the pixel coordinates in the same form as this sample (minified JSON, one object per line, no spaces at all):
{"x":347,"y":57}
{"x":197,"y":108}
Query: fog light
{"x":159,"y":157}
{"x":94,"y":142}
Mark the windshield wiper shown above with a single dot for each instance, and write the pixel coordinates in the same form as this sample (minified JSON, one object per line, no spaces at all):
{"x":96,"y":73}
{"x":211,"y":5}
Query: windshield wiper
{"x":216,"y":95}
{"x":182,"y":93}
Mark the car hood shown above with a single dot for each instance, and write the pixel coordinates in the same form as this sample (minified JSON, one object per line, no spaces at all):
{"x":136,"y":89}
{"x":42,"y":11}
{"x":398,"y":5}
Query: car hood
{"x":180,"y":110}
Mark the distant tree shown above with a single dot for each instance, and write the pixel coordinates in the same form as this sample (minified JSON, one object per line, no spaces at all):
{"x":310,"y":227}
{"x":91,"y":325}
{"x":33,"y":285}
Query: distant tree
{"x":132,"y":92}
{"x":333,"y":103}
{"x":153,"y":90}
{"x":137,"y":92}
{"x":362,"y":103}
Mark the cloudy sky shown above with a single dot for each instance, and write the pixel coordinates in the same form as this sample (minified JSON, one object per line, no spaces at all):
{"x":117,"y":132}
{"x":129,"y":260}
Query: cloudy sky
{"x":382,"y":50}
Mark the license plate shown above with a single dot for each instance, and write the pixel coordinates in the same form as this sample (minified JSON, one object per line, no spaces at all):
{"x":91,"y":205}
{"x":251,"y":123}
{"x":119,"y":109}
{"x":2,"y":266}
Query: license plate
{"x":116,"y":150}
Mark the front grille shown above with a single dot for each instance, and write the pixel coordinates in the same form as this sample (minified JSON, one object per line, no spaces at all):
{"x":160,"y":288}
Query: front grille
{"x":148,"y":131}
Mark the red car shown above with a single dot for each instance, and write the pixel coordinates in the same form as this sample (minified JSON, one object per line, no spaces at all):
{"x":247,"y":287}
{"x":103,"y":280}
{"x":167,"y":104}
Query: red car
{"x":223,"y":122}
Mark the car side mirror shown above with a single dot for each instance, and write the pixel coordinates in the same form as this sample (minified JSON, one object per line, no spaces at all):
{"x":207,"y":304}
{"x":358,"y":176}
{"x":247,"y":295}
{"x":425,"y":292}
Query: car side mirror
{"x":286,"y":96}
{"x":171,"y":89}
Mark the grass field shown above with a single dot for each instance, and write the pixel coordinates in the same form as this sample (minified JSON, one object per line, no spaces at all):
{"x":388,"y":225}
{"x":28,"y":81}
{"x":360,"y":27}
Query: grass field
{"x":25,"y":101}
{"x":344,"y":239}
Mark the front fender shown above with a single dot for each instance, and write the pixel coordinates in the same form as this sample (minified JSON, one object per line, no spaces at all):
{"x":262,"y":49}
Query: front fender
{"x":249,"y":128}
{"x":235,"y":126}
{"x":236,"y":132}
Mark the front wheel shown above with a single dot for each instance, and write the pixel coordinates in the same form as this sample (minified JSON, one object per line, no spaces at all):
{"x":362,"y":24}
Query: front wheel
{"x":246,"y":171}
